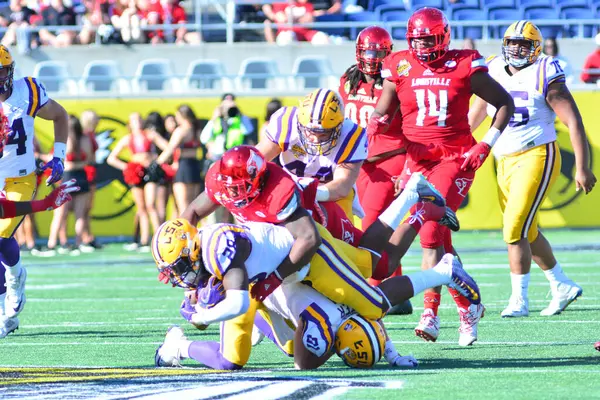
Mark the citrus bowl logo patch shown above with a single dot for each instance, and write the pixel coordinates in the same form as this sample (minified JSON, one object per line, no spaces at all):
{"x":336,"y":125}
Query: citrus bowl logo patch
{"x":403,"y":67}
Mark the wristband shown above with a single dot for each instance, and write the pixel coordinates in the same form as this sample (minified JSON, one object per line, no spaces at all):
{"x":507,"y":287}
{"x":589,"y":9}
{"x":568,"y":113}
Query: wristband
{"x":492,"y":136}
{"x":322,"y":193}
{"x":60,"y":149}
{"x":9,"y":208}
{"x":278,"y":275}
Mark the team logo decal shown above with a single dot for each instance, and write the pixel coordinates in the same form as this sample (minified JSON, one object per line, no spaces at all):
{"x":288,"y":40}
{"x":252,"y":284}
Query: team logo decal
{"x":450,"y":64}
{"x":403,"y":67}
{"x":298,"y":151}
{"x":463,"y":185}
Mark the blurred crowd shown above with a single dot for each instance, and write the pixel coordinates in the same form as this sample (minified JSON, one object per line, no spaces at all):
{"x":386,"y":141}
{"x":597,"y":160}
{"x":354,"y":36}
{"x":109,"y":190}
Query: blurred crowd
{"x":162,"y":160}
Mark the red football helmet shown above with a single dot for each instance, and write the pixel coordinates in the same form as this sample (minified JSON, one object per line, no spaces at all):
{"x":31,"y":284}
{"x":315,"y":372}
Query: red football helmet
{"x":428,"y":23}
{"x":241,"y":175}
{"x":373,"y":44}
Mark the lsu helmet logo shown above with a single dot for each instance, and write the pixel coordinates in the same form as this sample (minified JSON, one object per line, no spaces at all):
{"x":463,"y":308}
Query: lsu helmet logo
{"x":403,"y":68}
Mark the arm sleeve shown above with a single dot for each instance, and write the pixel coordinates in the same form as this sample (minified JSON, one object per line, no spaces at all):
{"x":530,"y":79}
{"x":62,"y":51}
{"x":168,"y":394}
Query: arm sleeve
{"x":478,"y":63}
{"x":236,"y":303}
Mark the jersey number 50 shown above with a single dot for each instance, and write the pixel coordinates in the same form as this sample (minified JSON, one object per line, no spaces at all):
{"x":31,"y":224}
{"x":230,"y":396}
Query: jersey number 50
{"x":17,"y":136}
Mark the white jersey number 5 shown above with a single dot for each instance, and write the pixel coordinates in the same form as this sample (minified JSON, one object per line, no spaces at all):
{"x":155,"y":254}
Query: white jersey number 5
{"x":435,"y":109}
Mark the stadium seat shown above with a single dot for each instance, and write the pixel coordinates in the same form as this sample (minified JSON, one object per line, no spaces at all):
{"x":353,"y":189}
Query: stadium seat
{"x":206,"y":74}
{"x":540,"y":13}
{"x":575,"y":14}
{"x":527,"y":4}
{"x":502,"y":14}
{"x":400,"y":18}
{"x":332,"y":18}
{"x":258,"y":73}
{"x":154,"y":75}
{"x":492,"y":4}
{"x":467,"y":14}
{"x":55,"y":76}
{"x":213,"y":35}
{"x":565,"y":4}
{"x":373,"y":4}
{"x":312,"y":72}
{"x":417,"y":4}
{"x":450,"y":6}
{"x":102,"y":76}
{"x":368,"y":17}
{"x":384,"y":8}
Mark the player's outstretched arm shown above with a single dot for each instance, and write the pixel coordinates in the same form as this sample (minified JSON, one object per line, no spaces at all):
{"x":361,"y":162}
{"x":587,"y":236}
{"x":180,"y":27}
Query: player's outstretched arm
{"x":560,"y":99}
{"x":344,"y":178}
{"x":477,"y":113}
{"x":201,"y":207}
{"x":268,"y":149}
{"x":58,"y":197}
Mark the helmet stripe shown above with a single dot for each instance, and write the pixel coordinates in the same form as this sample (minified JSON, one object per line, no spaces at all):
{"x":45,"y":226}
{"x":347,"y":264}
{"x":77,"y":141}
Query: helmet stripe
{"x":371,"y":335}
{"x":320,"y":100}
{"x":315,"y":99}
{"x":157,"y":236}
{"x":520,"y":27}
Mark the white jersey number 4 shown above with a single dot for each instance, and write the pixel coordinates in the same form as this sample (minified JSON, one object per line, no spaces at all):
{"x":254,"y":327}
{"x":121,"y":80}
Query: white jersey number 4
{"x":435,"y":109}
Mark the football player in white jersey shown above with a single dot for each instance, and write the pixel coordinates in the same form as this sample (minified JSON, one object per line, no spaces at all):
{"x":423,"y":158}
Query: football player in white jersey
{"x":316,"y":141}
{"x":22,"y":100}
{"x":529,"y":159}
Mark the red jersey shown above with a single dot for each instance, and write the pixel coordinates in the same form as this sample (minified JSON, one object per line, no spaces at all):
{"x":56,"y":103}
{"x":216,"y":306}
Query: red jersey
{"x":277,"y":201}
{"x":434,"y":98}
{"x":359,"y":107}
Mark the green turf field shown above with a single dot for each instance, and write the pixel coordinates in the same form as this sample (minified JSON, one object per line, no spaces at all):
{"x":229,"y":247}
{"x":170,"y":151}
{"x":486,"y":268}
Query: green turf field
{"x":108,"y":310}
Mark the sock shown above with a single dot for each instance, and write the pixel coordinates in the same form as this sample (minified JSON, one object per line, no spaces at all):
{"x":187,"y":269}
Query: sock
{"x":14,"y":270}
{"x":520,"y":284}
{"x":556,"y":275}
{"x":184,"y":348}
{"x":460,"y":300}
{"x":2,"y":283}
{"x":394,"y":214}
{"x":209,"y":354}
{"x":431,"y":301}
{"x":436,"y":276}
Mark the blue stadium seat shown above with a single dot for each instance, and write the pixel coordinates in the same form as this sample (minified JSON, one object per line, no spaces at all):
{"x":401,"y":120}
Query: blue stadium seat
{"x":417,"y":4}
{"x":491,"y":4}
{"x":539,"y":13}
{"x":392,"y":16}
{"x":564,"y":4}
{"x":370,"y":18}
{"x":526,"y":4}
{"x":213,"y":35}
{"x":465,"y":14}
{"x":502,"y":14}
{"x":462,"y":4}
{"x":578,"y":13}
{"x":332,"y":18}
{"x":373,"y":4}
{"x":382,"y":9}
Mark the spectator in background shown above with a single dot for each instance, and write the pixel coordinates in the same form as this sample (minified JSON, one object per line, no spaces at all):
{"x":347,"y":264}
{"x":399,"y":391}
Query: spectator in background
{"x":551,"y":49}
{"x":89,"y":124}
{"x":128,"y":21}
{"x":172,"y":13}
{"x":56,"y":14}
{"x":469,"y":44}
{"x":326,"y":7}
{"x":272,"y":107}
{"x":20,"y":16}
{"x":227,"y":128}
{"x":188,"y":182}
{"x":294,"y":12}
{"x":155,"y":125}
{"x":592,"y":62}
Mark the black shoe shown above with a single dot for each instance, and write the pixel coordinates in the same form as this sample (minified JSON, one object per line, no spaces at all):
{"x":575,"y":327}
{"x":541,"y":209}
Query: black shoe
{"x":401,"y":309}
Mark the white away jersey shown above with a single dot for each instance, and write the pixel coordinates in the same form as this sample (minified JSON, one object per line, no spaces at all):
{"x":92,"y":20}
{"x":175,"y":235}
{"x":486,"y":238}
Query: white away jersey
{"x":532,"y":124}
{"x":16,"y":158}
{"x":283,"y":130}
{"x":270,"y":245}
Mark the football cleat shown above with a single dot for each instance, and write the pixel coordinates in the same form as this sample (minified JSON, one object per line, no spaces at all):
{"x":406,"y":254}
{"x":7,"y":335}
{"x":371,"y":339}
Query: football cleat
{"x":429,"y":326}
{"x":426,"y":191}
{"x":562,"y":295}
{"x":15,"y":293}
{"x":597,"y":346}
{"x":404,"y":308}
{"x":8,"y":325}
{"x":450,"y":220}
{"x":517,"y":307}
{"x":461,"y":281}
{"x":168,"y":354}
{"x":469,"y":319}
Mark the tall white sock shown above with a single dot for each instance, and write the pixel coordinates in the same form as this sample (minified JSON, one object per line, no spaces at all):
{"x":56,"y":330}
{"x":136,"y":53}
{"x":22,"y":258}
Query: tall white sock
{"x":429,"y":278}
{"x":394,"y":214}
{"x":184,"y":348}
{"x":520,"y":284}
{"x":390,"y":353}
{"x":556,"y":275}
{"x":13,"y":270}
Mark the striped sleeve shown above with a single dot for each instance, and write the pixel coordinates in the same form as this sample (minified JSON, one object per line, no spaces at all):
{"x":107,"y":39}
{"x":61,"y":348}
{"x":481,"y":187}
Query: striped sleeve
{"x":37,"y":96}
{"x":354,"y":144}
{"x":553,"y":72}
{"x":219,"y":247}
{"x":281,"y":125}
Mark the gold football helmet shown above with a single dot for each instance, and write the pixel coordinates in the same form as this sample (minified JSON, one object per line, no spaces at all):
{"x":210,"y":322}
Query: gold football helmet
{"x":517,"y":55}
{"x":6,"y":63}
{"x":176,"y":251}
{"x":320,"y":120}
{"x":360,"y":342}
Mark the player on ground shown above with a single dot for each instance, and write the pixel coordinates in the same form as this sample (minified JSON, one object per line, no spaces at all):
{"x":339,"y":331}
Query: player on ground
{"x":432,"y":85}
{"x":22,"y":101}
{"x":316,"y":141}
{"x":360,"y":88}
{"x":529,"y":159}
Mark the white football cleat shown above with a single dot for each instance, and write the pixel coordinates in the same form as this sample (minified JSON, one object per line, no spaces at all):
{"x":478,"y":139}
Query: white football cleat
{"x":517,"y":307}
{"x":429,"y":326}
{"x":257,"y":336}
{"x":168,"y":354}
{"x":562,"y":295}
{"x":15,"y":293}
{"x":469,"y":319}
{"x":8,"y":325}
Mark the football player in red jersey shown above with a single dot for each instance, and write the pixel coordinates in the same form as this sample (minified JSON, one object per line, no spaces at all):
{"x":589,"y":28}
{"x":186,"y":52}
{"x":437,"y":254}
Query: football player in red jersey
{"x":432,"y":85}
{"x":360,"y":88}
